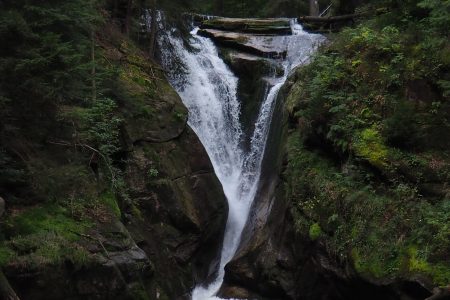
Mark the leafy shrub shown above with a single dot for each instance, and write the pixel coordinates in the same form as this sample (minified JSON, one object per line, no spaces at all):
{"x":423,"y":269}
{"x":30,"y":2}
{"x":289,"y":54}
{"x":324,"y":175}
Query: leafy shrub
{"x":153,"y":173}
{"x":103,"y":126}
{"x":370,"y":146}
{"x":315,"y":231}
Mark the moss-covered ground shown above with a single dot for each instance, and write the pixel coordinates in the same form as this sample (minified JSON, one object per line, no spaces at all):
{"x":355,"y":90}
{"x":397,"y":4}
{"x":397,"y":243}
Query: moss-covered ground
{"x":73,"y":181}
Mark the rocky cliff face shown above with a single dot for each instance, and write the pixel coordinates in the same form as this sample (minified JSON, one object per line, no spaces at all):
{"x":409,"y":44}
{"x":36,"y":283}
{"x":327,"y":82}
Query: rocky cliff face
{"x":157,"y":239}
{"x":277,"y":258}
{"x":151,"y":242}
{"x":276,"y":261}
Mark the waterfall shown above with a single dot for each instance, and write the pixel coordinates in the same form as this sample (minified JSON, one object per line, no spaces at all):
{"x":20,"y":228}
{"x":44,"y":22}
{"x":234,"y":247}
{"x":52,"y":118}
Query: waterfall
{"x":209,"y":90}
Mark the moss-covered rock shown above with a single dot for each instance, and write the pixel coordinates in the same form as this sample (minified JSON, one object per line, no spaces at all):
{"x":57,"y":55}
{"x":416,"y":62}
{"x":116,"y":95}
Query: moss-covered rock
{"x":175,"y":207}
{"x":144,"y":223}
{"x":363,"y":214}
{"x":360,"y":166}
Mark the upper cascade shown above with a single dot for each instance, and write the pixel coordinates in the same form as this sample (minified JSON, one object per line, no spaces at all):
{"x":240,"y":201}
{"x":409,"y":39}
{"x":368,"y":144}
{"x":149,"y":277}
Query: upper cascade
{"x":209,"y":89}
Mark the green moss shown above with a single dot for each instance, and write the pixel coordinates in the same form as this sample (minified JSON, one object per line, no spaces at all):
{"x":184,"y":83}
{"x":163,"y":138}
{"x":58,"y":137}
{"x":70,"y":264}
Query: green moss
{"x":59,"y":181}
{"x":357,"y":263}
{"x":110,"y":200}
{"x":370,"y":146}
{"x":374,"y":263}
{"x":137,"y":213}
{"x":46,"y":248}
{"x":315,"y":231}
{"x":6,"y":255}
{"x":374,"y":225}
{"x":180,"y":116}
{"x":416,"y":263}
{"x":44,"y":235}
{"x":440,"y":273}
{"x":136,"y":81}
{"x":46,"y":218}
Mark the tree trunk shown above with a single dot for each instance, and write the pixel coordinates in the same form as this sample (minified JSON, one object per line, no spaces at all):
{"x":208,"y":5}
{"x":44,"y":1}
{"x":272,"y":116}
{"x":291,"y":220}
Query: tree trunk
{"x":115,"y":11}
{"x":220,"y":7}
{"x":153,"y":31}
{"x":6,"y":291}
{"x":314,"y":8}
{"x":311,"y":19}
{"x":128,"y":17}
{"x":93,"y":70}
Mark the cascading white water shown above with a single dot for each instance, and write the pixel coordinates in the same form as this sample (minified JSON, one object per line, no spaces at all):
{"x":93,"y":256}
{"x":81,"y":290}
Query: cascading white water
{"x":209,"y":90}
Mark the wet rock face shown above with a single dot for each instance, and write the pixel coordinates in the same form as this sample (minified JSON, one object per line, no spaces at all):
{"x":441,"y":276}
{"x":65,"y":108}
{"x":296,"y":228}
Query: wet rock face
{"x":254,"y":73}
{"x":268,"y":258}
{"x":177,"y":209}
{"x":275,"y":261}
{"x":269,"y":46}
{"x":260,"y":37}
{"x":182,"y":211}
{"x":253,"y":49}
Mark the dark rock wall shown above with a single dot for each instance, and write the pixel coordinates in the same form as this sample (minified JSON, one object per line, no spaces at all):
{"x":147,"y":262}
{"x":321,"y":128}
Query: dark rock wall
{"x":171,"y":221}
{"x":275,"y":261}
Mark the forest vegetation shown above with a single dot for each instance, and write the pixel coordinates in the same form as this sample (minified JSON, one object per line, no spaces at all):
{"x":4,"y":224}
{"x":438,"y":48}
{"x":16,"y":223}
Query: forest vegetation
{"x":369,"y":160}
{"x":368,"y":150}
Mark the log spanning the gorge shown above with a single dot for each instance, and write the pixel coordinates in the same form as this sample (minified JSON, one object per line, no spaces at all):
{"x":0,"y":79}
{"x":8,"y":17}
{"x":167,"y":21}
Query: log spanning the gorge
{"x":328,"y":20}
{"x":260,"y":37}
{"x":280,"y":26}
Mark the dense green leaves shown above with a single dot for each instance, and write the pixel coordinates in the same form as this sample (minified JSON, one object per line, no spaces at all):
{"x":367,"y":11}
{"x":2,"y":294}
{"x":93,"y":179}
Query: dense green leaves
{"x":369,"y":161}
{"x":439,"y":14}
{"x":44,"y":60}
{"x":103,"y":126}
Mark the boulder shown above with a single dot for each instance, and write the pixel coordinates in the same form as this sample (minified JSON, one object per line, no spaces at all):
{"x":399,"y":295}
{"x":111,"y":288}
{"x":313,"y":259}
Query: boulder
{"x":264,"y":46}
{"x":254,"y":74}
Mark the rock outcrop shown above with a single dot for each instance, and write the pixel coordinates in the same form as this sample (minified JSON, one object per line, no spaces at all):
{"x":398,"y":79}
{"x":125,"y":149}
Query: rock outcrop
{"x":276,"y":260}
{"x":157,"y":237}
{"x":247,"y":42}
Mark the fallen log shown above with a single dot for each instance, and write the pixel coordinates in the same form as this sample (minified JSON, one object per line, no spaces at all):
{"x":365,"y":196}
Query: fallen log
{"x":279,"y":26}
{"x":327,"y":20}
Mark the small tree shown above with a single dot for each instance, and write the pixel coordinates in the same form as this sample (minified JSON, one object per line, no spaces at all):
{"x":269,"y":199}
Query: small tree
{"x":314,"y":7}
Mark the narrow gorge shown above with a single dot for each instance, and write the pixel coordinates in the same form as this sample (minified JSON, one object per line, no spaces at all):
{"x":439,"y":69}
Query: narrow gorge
{"x":209,"y":90}
{"x":226,"y":149}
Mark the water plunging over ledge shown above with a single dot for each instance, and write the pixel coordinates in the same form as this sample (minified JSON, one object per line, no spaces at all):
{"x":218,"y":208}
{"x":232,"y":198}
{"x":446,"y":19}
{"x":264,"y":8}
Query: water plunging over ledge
{"x":209,"y":90}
